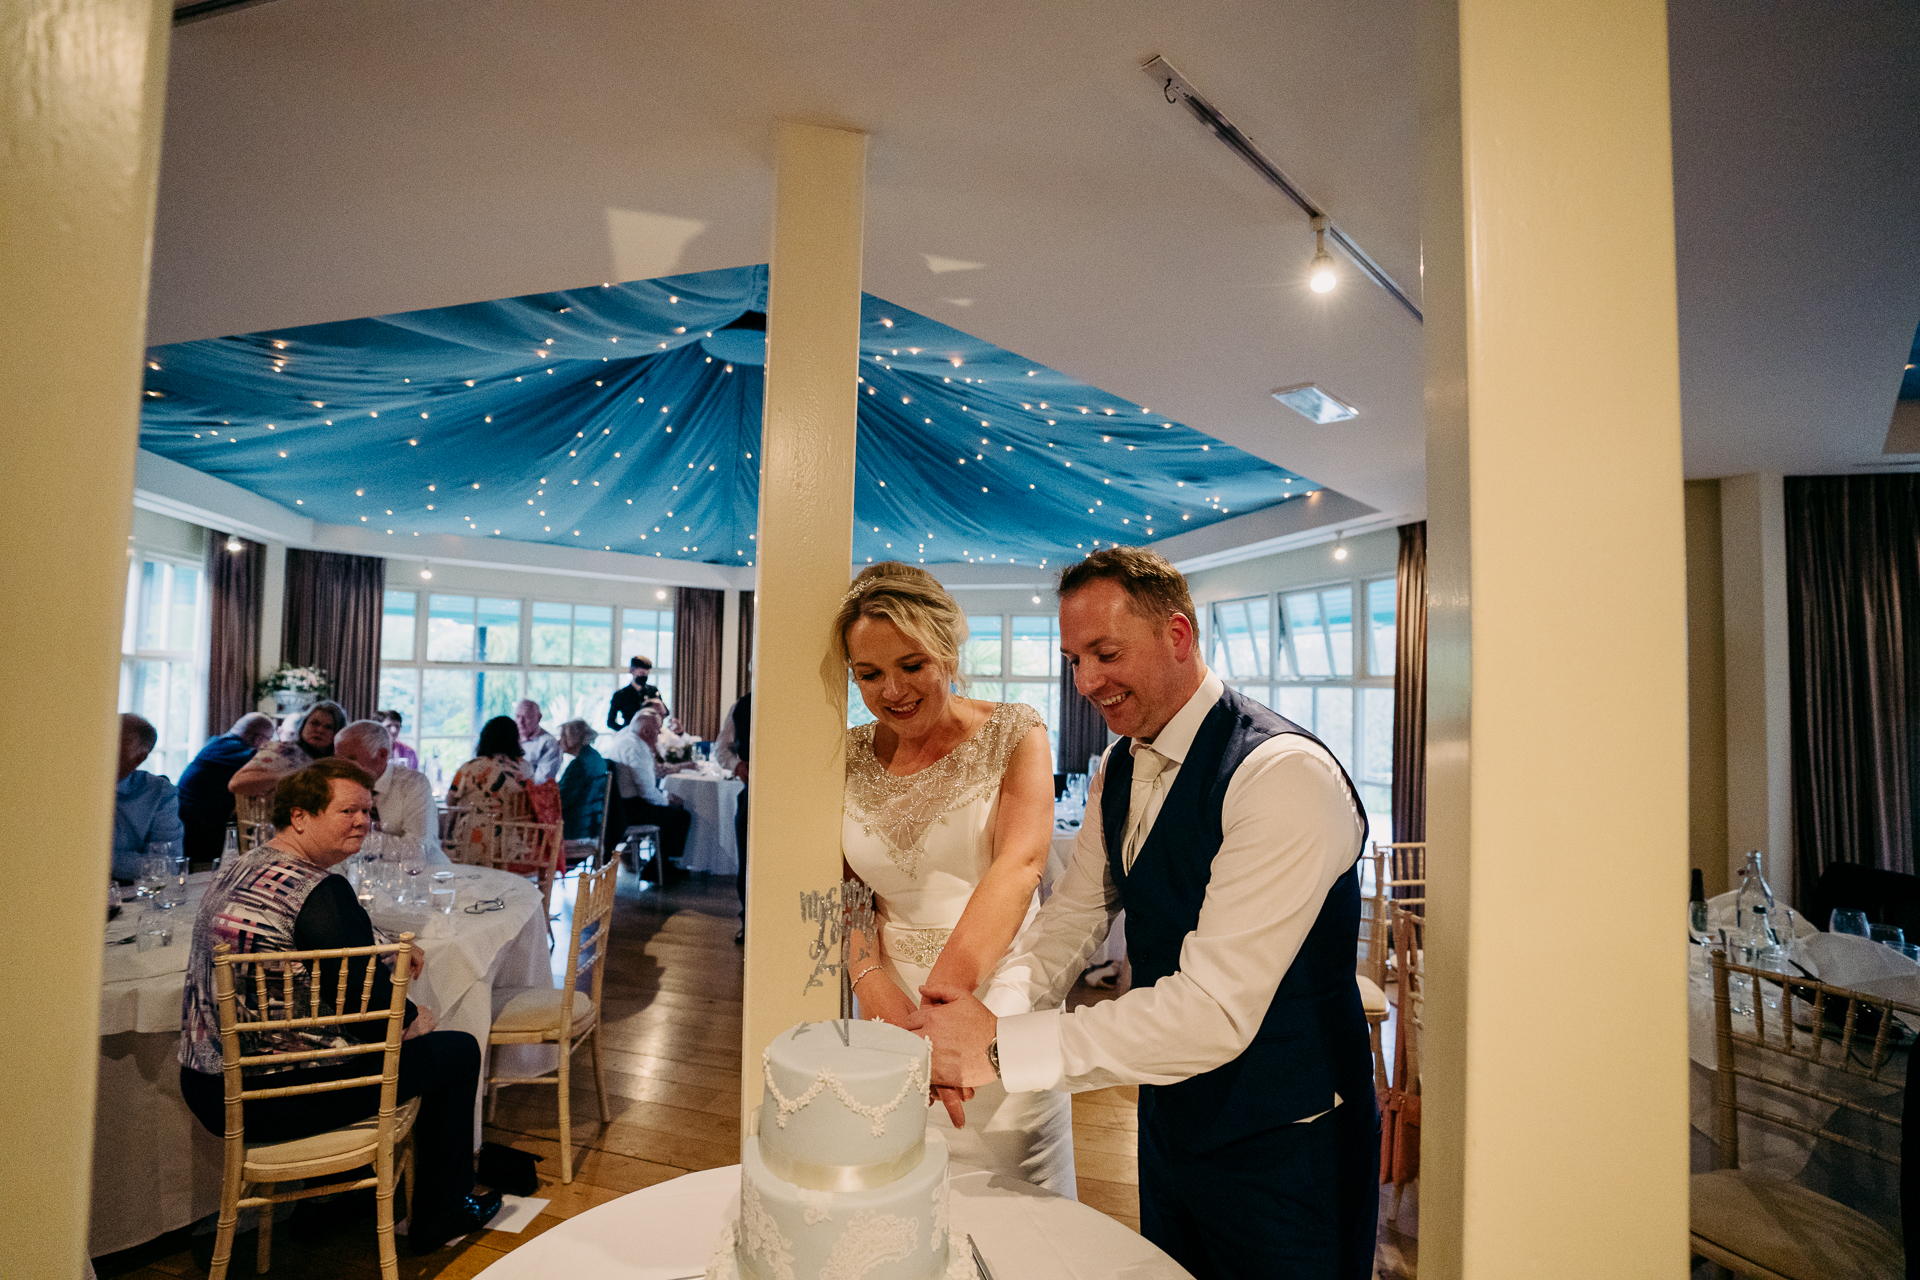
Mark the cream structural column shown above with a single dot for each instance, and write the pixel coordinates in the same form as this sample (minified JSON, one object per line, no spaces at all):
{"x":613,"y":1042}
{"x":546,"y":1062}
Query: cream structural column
{"x":1557,"y":745}
{"x":80,"y":128}
{"x":805,"y":545}
{"x":729,"y":646}
{"x":273,"y":607}
{"x":1753,"y":557}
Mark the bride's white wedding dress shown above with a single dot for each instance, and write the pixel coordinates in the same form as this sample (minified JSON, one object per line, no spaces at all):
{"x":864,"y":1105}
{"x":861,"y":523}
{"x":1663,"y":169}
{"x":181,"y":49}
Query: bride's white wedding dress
{"x":922,"y":843}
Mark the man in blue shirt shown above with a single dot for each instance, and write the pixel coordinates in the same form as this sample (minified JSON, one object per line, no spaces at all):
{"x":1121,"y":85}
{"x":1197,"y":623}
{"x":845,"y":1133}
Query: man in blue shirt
{"x":205,"y":802}
{"x":146,"y":808}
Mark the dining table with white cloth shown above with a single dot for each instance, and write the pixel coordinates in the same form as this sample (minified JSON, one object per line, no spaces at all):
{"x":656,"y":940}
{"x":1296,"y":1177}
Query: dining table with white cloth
{"x":1856,"y":1180}
{"x":667,"y":1232}
{"x":155,"y":1168}
{"x":711,"y":799}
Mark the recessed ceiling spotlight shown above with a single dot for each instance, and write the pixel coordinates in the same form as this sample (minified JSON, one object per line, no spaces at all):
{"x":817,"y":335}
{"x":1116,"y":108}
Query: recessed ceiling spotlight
{"x":1315,"y":405}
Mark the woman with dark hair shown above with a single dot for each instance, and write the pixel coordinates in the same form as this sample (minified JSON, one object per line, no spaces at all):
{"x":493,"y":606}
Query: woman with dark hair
{"x":283,"y":896}
{"x":489,"y":788}
{"x":311,"y":740}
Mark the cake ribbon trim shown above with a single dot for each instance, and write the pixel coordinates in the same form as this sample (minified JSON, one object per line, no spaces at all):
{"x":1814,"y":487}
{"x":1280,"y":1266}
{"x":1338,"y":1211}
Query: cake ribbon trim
{"x":842,"y":1177}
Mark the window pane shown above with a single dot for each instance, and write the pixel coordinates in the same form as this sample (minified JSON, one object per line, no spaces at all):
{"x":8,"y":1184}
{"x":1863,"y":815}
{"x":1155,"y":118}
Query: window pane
{"x":150,"y":691}
{"x":1336,"y":606}
{"x":399,"y":692}
{"x":1296,"y":704}
{"x":552,"y":634}
{"x":1241,"y":641}
{"x":176,"y":732}
{"x":988,"y":690}
{"x":1260,"y":693}
{"x":1042,"y":697}
{"x":152,"y":598}
{"x":440,"y":757}
{"x":450,"y":629}
{"x":1333,"y":723}
{"x":646,"y":633}
{"x":446,"y":707}
{"x":1376,"y":737}
{"x":1381,"y":602}
{"x":499,"y":634}
{"x":591,"y":696}
{"x":592,"y":635}
{"x":1307,"y":636}
{"x":396,"y":627}
{"x":1036,"y":646}
{"x":982,"y":654}
{"x":184,"y":617}
{"x":857,"y":713}
{"x":553,"y":690}
{"x":497,"y":691}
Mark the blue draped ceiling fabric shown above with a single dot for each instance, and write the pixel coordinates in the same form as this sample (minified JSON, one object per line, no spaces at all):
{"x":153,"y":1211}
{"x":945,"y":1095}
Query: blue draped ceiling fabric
{"x":627,"y":418}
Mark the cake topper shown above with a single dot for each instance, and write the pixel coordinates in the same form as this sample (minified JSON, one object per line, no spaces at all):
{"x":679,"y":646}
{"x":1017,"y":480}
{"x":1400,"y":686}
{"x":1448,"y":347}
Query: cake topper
{"x":844,"y":919}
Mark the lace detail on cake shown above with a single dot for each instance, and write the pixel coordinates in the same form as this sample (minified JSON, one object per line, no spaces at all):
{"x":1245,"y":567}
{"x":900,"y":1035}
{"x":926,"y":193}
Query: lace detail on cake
{"x":721,"y":1264}
{"x":916,"y":946}
{"x":940,"y":1207}
{"x":871,"y":1240}
{"x":817,"y":1206}
{"x":916,"y":1082}
{"x":899,"y":811}
{"x":761,"y":1234}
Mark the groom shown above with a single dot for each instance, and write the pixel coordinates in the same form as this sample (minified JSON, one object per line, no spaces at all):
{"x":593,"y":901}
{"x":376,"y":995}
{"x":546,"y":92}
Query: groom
{"x":1229,"y":836}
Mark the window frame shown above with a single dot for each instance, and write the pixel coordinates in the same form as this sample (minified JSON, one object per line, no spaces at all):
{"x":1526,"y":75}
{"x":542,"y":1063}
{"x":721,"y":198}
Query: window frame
{"x":174,"y":749}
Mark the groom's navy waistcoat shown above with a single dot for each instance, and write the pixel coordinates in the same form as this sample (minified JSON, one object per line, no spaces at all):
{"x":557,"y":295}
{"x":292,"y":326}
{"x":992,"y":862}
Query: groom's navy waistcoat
{"x":1313,"y":1041}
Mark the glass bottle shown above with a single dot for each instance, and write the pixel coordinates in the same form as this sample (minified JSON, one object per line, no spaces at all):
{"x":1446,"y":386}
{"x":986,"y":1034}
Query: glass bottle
{"x":1697,"y":904}
{"x":1754,"y":891}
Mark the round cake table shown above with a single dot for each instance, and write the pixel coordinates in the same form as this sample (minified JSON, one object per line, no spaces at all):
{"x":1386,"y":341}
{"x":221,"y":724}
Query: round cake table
{"x":667,"y":1231}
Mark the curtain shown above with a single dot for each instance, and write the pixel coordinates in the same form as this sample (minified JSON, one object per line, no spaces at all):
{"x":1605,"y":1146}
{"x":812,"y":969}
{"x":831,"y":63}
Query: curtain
{"x":743,"y":679}
{"x":234,"y":582}
{"x":332,"y":621}
{"x":1410,"y":688}
{"x":696,"y":660}
{"x":1082,"y":732}
{"x":1853,"y":618}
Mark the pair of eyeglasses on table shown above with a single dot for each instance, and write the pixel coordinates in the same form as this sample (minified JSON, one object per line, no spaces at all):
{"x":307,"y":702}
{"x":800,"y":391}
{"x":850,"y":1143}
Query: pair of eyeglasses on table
{"x":485,"y":905}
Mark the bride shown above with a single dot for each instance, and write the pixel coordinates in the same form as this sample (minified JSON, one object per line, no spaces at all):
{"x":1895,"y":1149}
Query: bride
{"x":949,"y":812}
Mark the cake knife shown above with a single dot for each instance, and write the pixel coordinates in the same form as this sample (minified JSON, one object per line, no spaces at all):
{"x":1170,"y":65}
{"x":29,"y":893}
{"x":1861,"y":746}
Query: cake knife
{"x":979,"y":1261}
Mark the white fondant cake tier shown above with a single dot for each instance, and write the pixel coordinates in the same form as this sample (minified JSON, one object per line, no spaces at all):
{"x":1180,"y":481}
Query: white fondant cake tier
{"x":894,"y":1232}
{"x":839,"y":1115}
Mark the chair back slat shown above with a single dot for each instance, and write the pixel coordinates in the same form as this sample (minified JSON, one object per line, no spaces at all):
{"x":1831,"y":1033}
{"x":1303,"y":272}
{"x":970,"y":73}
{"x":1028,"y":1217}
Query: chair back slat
{"x":252,"y":815}
{"x":592,"y":933}
{"x":1789,"y":1064}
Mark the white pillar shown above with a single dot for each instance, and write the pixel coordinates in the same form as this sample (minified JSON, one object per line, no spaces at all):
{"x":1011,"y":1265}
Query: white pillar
{"x":1753,"y":556}
{"x":805,"y":545}
{"x":273,"y":605}
{"x":1557,"y":747}
{"x":729,"y":648}
{"x":80,"y":129}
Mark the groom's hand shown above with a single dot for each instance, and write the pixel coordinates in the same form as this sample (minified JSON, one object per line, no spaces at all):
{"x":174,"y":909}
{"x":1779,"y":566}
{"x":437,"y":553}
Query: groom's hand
{"x":960,"y":1029}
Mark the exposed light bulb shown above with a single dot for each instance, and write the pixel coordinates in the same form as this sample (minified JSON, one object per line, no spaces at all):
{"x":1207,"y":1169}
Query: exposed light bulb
{"x":234,"y":544}
{"x":425,"y":572}
{"x":1321,"y":276}
{"x":1340,"y":548}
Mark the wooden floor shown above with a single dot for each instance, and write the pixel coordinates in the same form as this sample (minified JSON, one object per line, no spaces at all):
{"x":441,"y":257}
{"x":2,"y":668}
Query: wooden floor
{"x":671,"y":1045}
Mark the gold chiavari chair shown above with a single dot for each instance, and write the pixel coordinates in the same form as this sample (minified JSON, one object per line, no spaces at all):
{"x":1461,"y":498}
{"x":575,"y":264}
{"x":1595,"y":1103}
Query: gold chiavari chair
{"x":1400,"y":1118}
{"x":295,"y":990}
{"x":252,"y":821}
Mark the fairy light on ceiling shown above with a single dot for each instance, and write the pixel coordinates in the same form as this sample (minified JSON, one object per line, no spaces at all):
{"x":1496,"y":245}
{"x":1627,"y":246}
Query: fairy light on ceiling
{"x":604,"y":416}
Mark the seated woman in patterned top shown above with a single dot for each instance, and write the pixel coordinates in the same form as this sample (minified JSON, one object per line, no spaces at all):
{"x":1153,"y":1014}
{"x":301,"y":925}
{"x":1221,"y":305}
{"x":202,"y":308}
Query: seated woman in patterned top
{"x":491,"y":787}
{"x":283,"y":896}
{"x":312,"y":740}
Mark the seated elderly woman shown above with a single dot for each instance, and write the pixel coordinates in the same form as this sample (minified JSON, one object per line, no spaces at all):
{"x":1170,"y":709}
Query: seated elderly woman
{"x":312,"y":740}
{"x":583,"y":787}
{"x":283,"y":896}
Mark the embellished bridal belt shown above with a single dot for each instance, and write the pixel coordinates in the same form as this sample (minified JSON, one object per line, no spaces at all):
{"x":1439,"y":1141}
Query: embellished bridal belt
{"x":914,"y":946}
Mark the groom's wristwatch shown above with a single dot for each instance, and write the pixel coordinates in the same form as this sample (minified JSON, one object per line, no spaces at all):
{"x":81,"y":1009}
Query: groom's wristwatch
{"x":993,"y":1056}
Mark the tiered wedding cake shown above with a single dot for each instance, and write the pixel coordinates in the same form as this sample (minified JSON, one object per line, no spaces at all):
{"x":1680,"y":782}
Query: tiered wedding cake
{"x":842,"y":1181}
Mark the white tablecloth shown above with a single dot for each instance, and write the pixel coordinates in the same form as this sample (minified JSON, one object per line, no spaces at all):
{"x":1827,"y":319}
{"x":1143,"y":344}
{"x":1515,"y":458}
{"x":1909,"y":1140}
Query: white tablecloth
{"x":711,"y":801}
{"x":154,"y":1167}
{"x":666,"y":1232}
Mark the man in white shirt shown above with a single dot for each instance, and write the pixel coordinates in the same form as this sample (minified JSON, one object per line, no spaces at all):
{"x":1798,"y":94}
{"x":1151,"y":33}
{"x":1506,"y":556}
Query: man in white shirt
{"x":1230,"y":836}
{"x":629,"y":754}
{"x":542,"y":749}
{"x":402,"y":797}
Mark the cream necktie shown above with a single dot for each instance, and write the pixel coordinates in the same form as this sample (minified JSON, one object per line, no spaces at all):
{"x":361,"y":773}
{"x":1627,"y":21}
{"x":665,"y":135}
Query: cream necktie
{"x":1147,"y":765}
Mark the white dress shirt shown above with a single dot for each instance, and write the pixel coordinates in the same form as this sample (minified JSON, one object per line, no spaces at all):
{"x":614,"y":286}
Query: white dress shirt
{"x":541,"y":756}
{"x":404,"y":798}
{"x":1289,"y":830}
{"x":632,"y":763}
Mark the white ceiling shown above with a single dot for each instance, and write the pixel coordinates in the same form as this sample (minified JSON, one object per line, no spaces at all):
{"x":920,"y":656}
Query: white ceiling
{"x":328,"y":159}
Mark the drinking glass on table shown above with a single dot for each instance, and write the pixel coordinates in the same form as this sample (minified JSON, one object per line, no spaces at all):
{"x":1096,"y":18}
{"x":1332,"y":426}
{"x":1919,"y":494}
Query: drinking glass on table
{"x":1888,"y":935}
{"x":1849,"y":922}
{"x":172,"y":857}
{"x":151,"y":874}
{"x":444,"y":898}
{"x":156,"y":928}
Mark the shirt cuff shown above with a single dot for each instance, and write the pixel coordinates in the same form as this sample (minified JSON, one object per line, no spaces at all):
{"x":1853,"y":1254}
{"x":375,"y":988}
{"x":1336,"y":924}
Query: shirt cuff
{"x":1030,"y":1056}
{"x":1006,"y":1001}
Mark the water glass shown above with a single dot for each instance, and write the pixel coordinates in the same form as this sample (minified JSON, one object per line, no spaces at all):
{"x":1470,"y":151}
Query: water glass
{"x":1889,"y":935}
{"x":1849,"y":922}
{"x":152,"y":875}
{"x":444,"y":898}
{"x":156,"y":929}
{"x":228,"y":851}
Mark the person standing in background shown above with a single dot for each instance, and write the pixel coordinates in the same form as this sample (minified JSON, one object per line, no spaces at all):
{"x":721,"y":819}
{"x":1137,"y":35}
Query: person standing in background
{"x":630,"y":697}
{"x":401,"y":751}
{"x":730,"y":753}
{"x":541,"y":749}
{"x":146,"y":808}
{"x":206,"y":806}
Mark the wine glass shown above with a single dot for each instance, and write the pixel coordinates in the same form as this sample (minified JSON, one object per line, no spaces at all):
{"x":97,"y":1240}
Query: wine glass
{"x":1849,"y":922}
{"x":1889,"y":935}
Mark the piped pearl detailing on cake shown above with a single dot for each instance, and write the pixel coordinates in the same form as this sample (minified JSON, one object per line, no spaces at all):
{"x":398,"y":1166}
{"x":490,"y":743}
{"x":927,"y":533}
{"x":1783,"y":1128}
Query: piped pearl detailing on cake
{"x":916,"y":1082}
{"x":916,"y":946}
{"x":872,"y":1240}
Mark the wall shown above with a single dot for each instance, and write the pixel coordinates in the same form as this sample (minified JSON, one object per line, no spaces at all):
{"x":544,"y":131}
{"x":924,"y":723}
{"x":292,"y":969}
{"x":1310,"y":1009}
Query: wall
{"x":1706,"y":688}
{"x":404,"y":575}
{"x":1368,"y":555}
{"x":155,"y":532}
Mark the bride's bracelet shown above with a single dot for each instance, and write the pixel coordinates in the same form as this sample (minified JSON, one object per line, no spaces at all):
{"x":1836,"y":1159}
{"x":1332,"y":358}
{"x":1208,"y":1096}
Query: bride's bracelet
{"x":863,"y":973}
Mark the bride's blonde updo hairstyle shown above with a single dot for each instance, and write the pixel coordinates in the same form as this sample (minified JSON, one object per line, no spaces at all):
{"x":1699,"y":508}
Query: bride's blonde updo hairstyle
{"x":911,"y":599}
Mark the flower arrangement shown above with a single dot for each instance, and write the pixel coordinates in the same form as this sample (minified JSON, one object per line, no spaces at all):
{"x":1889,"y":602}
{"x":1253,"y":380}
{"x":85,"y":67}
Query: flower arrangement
{"x":313,"y":683}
